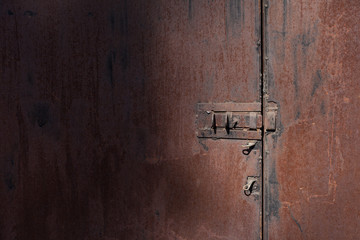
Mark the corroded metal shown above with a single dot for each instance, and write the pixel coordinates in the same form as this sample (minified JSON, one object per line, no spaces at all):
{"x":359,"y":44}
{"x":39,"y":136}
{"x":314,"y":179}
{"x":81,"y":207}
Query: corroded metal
{"x":233,"y":134}
{"x":98,"y":104}
{"x":230,"y":107}
{"x":311,"y":162}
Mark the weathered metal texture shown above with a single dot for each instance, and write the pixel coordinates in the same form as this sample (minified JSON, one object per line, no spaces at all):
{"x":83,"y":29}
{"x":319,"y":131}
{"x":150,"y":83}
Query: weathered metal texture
{"x":98,"y":104}
{"x":312,"y":165}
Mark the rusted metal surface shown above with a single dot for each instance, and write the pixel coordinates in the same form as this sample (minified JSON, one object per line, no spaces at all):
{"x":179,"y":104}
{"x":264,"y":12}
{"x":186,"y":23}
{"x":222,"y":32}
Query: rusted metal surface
{"x":232,"y":134}
{"x":98,"y":104}
{"x":230,"y":107}
{"x":312,"y":161}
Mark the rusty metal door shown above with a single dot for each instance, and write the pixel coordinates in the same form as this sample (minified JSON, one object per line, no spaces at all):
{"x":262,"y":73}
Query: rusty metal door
{"x":165,"y":119}
{"x":98,"y":119}
{"x":311,"y":163}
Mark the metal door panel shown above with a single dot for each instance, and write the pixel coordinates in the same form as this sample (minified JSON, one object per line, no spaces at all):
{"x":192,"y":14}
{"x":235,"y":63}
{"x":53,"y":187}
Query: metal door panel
{"x":311,"y":161}
{"x":98,"y":119}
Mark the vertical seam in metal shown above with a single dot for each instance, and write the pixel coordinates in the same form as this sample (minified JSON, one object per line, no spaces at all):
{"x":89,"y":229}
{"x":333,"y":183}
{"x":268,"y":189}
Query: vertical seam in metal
{"x":262,"y":67}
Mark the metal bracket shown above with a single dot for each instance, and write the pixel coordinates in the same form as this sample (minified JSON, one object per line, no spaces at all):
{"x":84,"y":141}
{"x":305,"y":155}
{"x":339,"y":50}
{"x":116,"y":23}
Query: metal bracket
{"x":270,"y":117}
{"x":229,"y":120}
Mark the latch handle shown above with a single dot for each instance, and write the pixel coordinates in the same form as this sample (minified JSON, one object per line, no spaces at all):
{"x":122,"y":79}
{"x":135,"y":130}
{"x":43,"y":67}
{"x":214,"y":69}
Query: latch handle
{"x":248,"y":187}
{"x":248,"y":147}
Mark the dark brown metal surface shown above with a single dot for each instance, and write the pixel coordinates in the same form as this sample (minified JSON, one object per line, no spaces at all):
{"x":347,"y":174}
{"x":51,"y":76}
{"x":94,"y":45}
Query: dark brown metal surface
{"x":98,"y":104}
{"x":312,"y":161}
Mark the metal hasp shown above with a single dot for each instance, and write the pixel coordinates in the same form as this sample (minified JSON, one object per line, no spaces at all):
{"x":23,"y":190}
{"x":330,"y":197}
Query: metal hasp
{"x":229,"y":120}
{"x":235,"y":120}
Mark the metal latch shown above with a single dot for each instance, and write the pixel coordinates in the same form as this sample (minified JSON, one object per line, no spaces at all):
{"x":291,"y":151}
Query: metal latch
{"x":229,"y":120}
{"x":248,"y":147}
{"x":251,"y":185}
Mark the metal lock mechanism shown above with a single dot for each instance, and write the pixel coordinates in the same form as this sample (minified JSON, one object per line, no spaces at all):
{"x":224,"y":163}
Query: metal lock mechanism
{"x":251,"y":185}
{"x":235,"y":120}
{"x":248,"y":147}
{"x":229,"y":120}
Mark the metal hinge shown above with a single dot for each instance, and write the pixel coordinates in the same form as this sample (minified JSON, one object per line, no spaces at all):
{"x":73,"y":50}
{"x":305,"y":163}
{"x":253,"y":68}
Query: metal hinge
{"x":234,"y":120}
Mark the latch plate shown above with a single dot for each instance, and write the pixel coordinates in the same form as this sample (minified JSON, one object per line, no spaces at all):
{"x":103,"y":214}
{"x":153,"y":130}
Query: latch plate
{"x":229,"y":120}
{"x":270,"y":117}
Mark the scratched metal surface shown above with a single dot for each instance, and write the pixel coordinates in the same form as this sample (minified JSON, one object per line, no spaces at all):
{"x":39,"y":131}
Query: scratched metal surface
{"x":98,"y":103}
{"x":313,"y":162}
